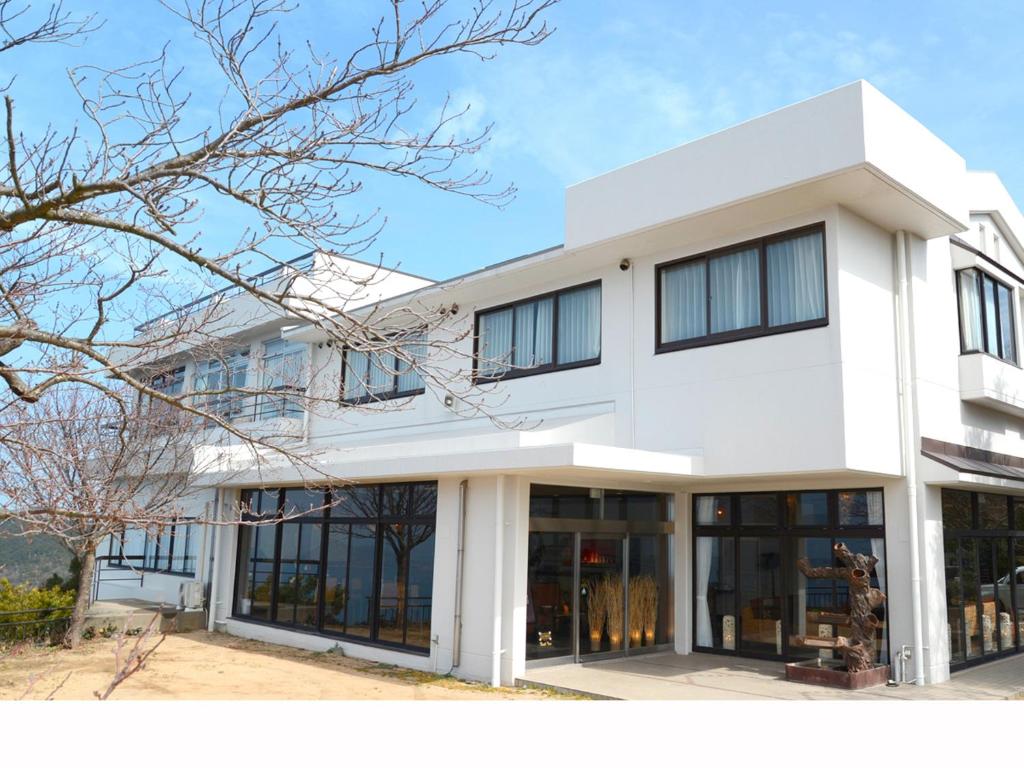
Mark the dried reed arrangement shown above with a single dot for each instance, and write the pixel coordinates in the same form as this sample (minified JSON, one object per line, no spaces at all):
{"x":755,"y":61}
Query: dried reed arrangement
{"x":636,"y":610}
{"x":597,"y":612}
{"x":615,"y":607}
{"x":649,"y":608}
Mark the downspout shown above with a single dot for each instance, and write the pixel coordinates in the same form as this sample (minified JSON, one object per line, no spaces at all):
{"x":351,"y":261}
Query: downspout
{"x":461,"y":548}
{"x":214,"y":571}
{"x":499,"y":535}
{"x":632,"y":356}
{"x":906,"y":392}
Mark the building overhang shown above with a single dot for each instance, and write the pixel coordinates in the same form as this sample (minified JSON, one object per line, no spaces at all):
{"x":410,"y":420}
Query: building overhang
{"x":851,"y":147}
{"x":970,"y":467}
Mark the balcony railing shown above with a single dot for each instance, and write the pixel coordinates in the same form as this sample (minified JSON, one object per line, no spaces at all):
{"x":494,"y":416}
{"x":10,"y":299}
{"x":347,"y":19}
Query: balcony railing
{"x":301,"y":264}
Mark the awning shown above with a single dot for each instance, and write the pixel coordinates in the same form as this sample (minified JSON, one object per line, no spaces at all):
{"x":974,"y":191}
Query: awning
{"x":975,"y":461}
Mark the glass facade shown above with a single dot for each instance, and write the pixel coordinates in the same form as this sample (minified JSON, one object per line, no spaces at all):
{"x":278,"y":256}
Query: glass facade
{"x":984,"y":558}
{"x":599,"y":572}
{"x":356,"y":562}
{"x":169,"y":549}
{"x":749,"y":596}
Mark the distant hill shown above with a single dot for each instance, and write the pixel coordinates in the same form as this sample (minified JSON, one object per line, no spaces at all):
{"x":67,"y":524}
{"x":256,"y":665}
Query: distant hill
{"x":32,"y":560}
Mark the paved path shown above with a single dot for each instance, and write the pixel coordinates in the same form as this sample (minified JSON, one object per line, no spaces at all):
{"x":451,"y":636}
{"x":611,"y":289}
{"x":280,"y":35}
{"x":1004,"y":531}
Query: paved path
{"x":703,"y":676}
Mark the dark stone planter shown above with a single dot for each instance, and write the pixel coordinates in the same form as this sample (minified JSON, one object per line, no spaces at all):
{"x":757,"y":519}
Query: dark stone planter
{"x":834,"y":674}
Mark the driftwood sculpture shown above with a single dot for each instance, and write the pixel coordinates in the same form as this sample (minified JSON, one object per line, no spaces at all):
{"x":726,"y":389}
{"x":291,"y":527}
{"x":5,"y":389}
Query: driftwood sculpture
{"x":858,"y":649}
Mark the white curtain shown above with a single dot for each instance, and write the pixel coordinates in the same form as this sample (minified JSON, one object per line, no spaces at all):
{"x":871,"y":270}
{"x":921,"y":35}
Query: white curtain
{"x":878,"y":550}
{"x":579,"y":325}
{"x":875,"y":516}
{"x":992,"y":341}
{"x":533,"y":333}
{"x":796,"y":274}
{"x":355,"y":374}
{"x":705,"y":638}
{"x":495,"y":343}
{"x":970,"y":311}
{"x":409,"y":377}
{"x":735,"y":291}
{"x":684,"y":301}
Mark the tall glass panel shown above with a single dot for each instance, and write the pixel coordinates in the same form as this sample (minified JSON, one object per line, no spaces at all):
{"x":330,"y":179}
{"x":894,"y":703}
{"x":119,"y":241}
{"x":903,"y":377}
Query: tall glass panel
{"x":954,"y":602}
{"x":1007,"y":342}
{"x":991,"y":331}
{"x":993,"y":511}
{"x":394,"y":556}
{"x":1006,"y":626}
{"x":974,"y":625}
{"x":362,"y":554}
{"x":1018,"y":588}
{"x":970,"y":311}
{"x":533,"y":333}
{"x":602,"y":596}
{"x":716,"y":592}
{"x":421,"y":586}
{"x":549,"y":595}
{"x":287,"y":576}
{"x":989,"y":596}
{"x":335,"y":578}
{"x":650,"y":608}
{"x":807,"y":509}
{"x":759,"y":509}
{"x":956,"y":510}
{"x":812,"y":606}
{"x":760,"y":595}
{"x":307,"y":575}
{"x":256,"y":571}
{"x":495,"y":342}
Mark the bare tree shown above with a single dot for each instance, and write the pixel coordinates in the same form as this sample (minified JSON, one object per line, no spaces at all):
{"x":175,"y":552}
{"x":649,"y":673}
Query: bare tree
{"x":82,"y":466}
{"x":94,"y":222}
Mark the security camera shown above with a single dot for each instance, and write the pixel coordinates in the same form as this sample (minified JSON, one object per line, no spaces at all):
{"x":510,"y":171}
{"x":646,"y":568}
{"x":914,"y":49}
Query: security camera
{"x":624,"y":265}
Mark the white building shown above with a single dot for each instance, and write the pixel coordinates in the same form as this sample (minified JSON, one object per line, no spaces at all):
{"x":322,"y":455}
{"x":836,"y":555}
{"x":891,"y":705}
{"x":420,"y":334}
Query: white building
{"x":800,"y":330}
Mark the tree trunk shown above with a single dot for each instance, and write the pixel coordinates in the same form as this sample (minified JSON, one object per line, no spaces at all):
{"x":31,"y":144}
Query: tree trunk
{"x":88,"y":560}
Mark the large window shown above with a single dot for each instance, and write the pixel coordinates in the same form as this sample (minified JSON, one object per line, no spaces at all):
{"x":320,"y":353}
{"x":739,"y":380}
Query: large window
{"x":986,"y":315}
{"x":546,"y":333}
{"x":170,"y":382}
{"x":750,"y":597}
{"x":283,"y":369}
{"x":356,"y":561}
{"x":372,"y":375}
{"x":984,"y":560}
{"x":766,"y":286}
{"x":169,"y":549}
{"x":221,"y":381}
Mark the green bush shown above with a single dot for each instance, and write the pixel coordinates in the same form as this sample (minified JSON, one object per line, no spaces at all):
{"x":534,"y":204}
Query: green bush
{"x":50,"y":608}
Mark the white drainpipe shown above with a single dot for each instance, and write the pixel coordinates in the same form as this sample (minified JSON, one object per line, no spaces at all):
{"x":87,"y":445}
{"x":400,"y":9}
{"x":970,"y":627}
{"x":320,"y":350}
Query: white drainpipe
{"x":212,"y":607}
{"x":499,"y":535}
{"x":906,"y":392}
{"x":457,"y":627}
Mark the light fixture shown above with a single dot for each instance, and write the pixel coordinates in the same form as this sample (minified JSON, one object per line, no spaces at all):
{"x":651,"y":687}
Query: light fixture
{"x":449,"y":401}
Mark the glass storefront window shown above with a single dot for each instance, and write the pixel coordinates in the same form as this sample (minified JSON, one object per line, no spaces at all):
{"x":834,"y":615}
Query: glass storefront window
{"x":860,"y":508}
{"x":714,"y":510}
{"x":376,"y":564}
{"x":759,"y":509}
{"x":807,"y":509}
{"x":956,"y":510}
{"x":993,"y":511}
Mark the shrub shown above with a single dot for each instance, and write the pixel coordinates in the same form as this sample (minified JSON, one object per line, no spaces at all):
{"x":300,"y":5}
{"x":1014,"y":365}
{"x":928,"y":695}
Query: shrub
{"x":47,"y":609}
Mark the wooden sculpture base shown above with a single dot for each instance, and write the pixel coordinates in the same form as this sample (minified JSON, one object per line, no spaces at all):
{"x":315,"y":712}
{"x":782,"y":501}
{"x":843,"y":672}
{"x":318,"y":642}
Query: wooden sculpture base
{"x":834,"y":674}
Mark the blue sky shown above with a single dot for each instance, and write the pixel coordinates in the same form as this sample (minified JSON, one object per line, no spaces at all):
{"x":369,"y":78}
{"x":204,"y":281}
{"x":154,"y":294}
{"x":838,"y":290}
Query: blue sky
{"x":616,"y":82}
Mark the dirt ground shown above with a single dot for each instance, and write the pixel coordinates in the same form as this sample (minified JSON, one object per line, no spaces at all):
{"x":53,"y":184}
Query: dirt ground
{"x":214,"y":666}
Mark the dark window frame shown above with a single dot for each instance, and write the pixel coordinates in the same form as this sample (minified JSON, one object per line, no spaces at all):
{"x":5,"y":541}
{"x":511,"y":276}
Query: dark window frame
{"x":378,"y":397}
{"x":982,"y":275}
{"x":953,"y":542}
{"x":554,"y":365}
{"x":755,"y":331}
{"x":786,"y":533}
{"x":119,"y":560}
{"x":326,"y":519}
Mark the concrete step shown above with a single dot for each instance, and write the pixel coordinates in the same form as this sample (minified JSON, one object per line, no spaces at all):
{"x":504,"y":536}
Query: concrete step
{"x":128,"y":615}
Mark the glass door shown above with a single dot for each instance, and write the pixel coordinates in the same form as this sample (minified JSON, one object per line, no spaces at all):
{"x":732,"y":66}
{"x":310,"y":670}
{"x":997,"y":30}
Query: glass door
{"x":602,"y":594}
{"x":550,"y":626}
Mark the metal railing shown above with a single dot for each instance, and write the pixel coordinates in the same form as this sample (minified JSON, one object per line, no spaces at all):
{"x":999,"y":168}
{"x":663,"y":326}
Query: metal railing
{"x":105,"y":573}
{"x":35,"y":625}
{"x":301,"y":264}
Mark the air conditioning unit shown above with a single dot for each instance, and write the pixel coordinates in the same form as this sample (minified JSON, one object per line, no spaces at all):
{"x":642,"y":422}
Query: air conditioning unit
{"x":190,"y":595}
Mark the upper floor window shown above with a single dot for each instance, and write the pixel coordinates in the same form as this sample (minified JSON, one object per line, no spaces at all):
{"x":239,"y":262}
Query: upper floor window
{"x":219,"y":380}
{"x":169,"y":382}
{"x":170,"y":550}
{"x":283,"y":370}
{"x":986,"y":315}
{"x":545,"y":333}
{"x":384,"y":374}
{"x":765,"y":286}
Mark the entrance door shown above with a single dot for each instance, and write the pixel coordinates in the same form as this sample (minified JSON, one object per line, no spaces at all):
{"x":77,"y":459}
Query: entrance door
{"x":602,"y":594}
{"x":550,"y":580}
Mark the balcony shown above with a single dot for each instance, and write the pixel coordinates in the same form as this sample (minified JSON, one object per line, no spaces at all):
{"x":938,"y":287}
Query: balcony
{"x":302,"y":264}
{"x":992,"y":383}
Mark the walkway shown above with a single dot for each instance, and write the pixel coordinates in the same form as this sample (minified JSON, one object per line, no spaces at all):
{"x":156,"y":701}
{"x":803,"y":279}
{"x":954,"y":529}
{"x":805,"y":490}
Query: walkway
{"x":703,"y":676}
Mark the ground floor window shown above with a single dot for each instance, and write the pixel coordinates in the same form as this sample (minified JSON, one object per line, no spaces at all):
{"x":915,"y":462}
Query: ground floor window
{"x":749,"y":596}
{"x":984,"y":560}
{"x":168,"y":549}
{"x":356,"y":562}
{"x":599,"y":572}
